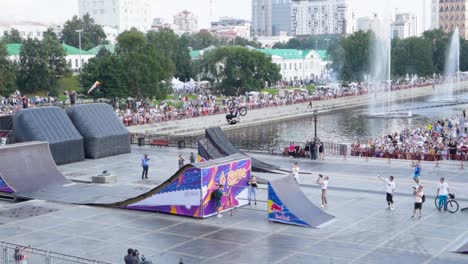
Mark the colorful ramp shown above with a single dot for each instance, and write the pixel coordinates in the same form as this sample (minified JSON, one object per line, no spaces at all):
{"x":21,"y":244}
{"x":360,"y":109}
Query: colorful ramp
{"x":189,"y":194}
{"x":28,"y":171}
{"x":223,"y":145}
{"x":288,"y":204}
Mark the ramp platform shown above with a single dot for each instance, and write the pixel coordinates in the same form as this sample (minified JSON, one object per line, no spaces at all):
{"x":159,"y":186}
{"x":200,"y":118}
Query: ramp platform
{"x":288,"y":204}
{"x":28,"y":171}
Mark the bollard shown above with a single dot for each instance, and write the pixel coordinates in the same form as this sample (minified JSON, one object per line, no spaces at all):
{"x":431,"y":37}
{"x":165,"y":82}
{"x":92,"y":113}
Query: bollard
{"x":462,"y":166}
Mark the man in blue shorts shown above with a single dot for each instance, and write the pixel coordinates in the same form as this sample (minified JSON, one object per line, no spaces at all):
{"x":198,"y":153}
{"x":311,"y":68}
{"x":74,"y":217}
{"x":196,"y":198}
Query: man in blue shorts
{"x":417,"y":171}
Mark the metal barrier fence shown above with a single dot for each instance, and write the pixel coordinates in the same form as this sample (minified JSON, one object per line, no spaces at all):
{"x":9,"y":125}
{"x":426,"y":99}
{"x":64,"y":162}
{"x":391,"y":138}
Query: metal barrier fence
{"x":436,"y":159}
{"x":16,"y":254}
{"x":172,"y":141}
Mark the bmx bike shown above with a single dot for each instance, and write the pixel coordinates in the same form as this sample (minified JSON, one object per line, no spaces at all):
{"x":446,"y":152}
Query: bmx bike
{"x":452,"y":204}
{"x":234,"y":105}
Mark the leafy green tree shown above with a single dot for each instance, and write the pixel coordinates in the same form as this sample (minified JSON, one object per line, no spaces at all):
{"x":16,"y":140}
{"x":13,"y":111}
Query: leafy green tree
{"x":413,"y":56}
{"x":351,"y":57}
{"x":7,"y":73}
{"x":439,"y":43}
{"x":42,"y":64}
{"x":176,"y":47}
{"x":237,"y":70}
{"x":12,"y":37}
{"x":33,"y":71}
{"x":92,"y":35}
{"x":202,"y":40}
{"x":108,"y":69}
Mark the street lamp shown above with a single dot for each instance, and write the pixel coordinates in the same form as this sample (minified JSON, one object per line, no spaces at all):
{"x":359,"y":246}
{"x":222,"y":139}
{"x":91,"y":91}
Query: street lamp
{"x":316,"y":45}
{"x":80,"y":63}
{"x":328,"y":43}
{"x":315,"y":125}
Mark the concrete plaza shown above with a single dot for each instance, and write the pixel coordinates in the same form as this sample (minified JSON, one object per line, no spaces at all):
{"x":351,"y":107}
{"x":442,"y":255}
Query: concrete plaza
{"x":364,"y":231}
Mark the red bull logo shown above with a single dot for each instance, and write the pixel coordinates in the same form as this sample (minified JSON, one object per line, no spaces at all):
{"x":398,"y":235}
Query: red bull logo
{"x":276,"y":208}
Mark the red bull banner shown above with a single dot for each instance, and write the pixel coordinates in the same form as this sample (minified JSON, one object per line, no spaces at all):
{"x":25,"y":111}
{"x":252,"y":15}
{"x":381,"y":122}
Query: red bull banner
{"x":278,"y":212}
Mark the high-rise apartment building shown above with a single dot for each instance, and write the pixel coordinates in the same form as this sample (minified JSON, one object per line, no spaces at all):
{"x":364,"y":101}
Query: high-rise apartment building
{"x":261,"y":18}
{"x":405,"y":26}
{"x":186,"y":21}
{"x":316,"y":17}
{"x":271,"y":17}
{"x":435,"y":14}
{"x":453,"y":14}
{"x":371,"y":23}
{"x":120,"y":14}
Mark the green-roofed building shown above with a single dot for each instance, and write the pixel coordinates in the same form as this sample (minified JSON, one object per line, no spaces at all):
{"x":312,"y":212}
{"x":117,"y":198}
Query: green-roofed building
{"x":108,"y":47}
{"x":73,"y":55}
{"x":295,"y":65}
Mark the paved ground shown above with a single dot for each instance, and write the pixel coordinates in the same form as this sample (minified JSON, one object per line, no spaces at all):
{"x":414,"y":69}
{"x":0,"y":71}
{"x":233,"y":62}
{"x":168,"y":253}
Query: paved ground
{"x":363,"y":233}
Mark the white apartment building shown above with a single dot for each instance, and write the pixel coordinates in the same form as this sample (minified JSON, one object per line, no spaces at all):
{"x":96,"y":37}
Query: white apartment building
{"x":33,"y":30}
{"x":120,"y":14}
{"x":186,"y":21}
{"x":316,"y":17}
{"x":371,"y":23}
{"x":405,"y":26}
{"x":435,"y":14}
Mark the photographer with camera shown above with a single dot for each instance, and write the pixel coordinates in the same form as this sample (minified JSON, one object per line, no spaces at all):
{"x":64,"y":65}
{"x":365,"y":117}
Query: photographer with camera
{"x":132,"y":256}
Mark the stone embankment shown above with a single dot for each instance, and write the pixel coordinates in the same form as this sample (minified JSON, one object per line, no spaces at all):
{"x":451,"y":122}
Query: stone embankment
{"x":197,"y":126}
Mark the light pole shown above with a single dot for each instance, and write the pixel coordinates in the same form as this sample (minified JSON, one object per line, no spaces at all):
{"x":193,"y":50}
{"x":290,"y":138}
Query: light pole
{"x":315,"y":125}
{"x":328,"y":43}
{"x":316,"y":45}
{"x":80,"y":63}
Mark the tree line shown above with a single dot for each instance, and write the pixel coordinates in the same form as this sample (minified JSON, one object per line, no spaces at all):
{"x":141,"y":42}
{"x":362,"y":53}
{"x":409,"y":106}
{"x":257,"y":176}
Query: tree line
{"x":141,"y":66}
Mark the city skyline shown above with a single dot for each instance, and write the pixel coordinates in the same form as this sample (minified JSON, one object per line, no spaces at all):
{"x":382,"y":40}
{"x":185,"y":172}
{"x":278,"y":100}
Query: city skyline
{"x":58,"y":11}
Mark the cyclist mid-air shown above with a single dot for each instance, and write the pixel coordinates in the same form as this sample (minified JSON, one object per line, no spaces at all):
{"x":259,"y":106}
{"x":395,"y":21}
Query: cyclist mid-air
{"x":233,"y":117}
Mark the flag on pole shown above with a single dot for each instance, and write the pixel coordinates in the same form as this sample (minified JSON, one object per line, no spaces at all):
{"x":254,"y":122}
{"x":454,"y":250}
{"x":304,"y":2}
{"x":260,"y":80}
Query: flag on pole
{"x":96,"y":84}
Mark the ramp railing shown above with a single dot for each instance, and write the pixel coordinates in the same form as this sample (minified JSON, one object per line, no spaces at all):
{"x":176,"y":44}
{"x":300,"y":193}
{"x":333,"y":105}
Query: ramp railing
{"x":17,"y":254}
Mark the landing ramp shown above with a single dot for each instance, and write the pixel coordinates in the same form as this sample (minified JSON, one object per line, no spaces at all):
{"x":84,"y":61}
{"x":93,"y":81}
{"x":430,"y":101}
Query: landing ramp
{"x":219,"y":140}
{"x":288,"y":204}
{"x":463,"y":248}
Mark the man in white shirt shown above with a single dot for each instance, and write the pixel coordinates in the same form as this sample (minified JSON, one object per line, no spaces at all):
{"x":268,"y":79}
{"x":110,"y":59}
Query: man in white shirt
{"x":295,"y":171}
{"x":442,"y":193}
{"x":390,"y":183}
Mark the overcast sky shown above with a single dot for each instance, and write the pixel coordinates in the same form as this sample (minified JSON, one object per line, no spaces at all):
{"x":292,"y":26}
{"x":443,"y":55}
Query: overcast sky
{"x":61,"y":10}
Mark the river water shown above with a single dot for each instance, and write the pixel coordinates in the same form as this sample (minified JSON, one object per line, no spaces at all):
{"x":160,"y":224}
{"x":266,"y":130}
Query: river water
{"x":346,"y":126}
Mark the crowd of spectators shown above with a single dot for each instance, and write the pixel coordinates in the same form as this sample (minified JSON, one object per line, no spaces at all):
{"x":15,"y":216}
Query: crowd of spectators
{"x":445,"y":139}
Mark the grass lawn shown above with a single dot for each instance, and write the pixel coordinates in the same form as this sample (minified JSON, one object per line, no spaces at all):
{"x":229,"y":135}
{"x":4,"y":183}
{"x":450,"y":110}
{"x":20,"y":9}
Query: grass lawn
{"x":71,"y":83}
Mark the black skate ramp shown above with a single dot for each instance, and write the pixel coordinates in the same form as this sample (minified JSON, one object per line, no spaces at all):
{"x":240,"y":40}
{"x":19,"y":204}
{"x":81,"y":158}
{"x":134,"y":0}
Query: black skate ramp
{"x":288,"y":204}
{"x":29,"y":166}
{"x":224,"y":146}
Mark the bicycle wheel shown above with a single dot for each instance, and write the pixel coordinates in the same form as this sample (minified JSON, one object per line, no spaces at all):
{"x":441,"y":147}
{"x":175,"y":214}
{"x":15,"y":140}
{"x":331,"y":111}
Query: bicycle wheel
{"x":230,"y":105}
{"x":452,"y":206}
{"x":436,"y":202}
{"x":243,"y":111}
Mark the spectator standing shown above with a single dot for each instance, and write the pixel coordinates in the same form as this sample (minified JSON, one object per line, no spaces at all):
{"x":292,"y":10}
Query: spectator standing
{"x":323,"y":182}
{"x":145,"y":164}
{"x":181,"y":161}
{"x":20,"y":256}
{"x":295,"y":172}
{"x":321,"y":153}
{"x":443,"y":192}
{"x":192,"y":158}
{"x":217,"y":197}
{"x":419,"y":200}
{"x":253,"y":189}
{"x":390,"y":183}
